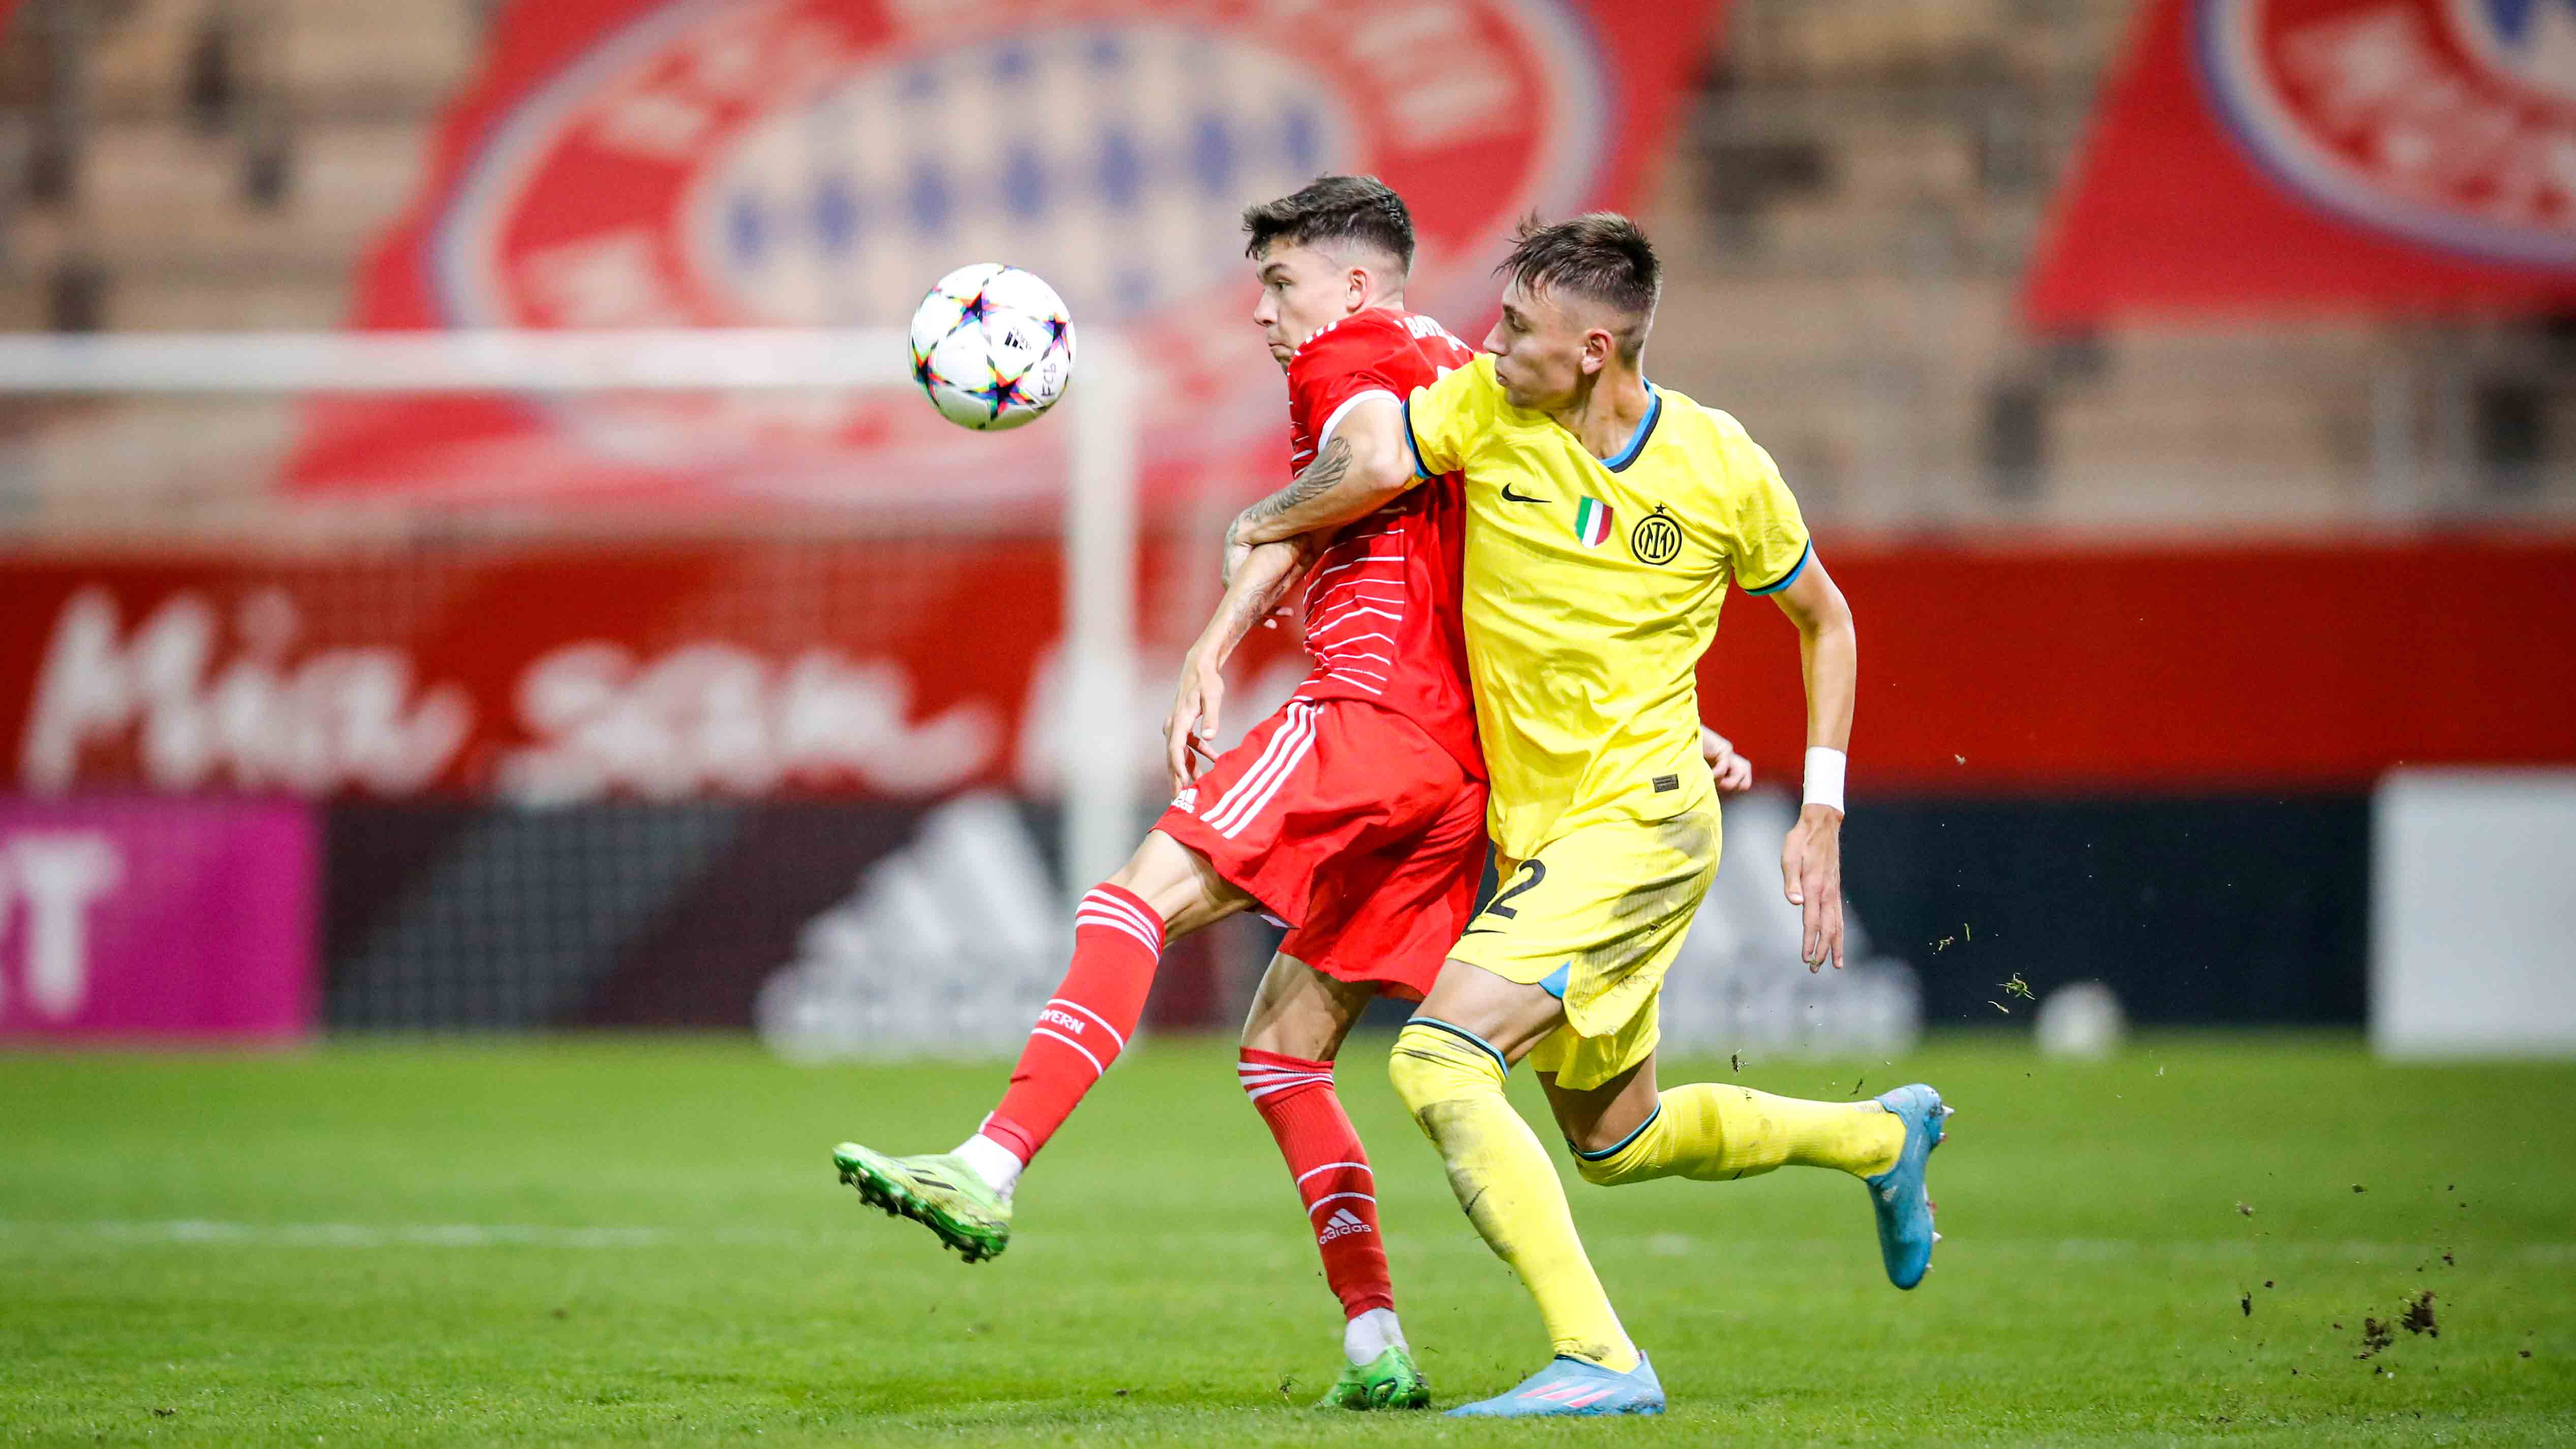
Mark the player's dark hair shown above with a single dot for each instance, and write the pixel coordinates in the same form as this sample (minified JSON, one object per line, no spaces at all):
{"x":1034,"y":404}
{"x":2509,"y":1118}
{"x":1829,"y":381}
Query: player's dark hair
{"x":1358,"y":209}
{"x":1601,"y":257}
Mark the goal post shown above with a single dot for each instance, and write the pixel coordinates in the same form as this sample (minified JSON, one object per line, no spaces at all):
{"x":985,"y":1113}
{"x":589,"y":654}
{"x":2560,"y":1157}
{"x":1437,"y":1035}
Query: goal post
{"x":1100,"y":521}
{"x":1099,"y":518}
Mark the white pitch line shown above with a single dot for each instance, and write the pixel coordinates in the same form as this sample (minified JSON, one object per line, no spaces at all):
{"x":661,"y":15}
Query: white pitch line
{"x":1674,"y":1245}
{"x":214,"y":1233}
{"x":349,"y":1235}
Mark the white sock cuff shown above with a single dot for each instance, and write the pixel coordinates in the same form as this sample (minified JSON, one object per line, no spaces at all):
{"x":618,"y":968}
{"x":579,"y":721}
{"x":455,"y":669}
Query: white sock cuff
{"x":999,"y":1166}
{"x":1370,"y":1334}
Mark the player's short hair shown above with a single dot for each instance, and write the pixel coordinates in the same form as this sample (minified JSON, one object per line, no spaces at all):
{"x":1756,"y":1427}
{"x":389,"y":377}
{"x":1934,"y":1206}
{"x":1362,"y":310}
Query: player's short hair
{"x":1601,"y":257}
{"x":1359,"y":209}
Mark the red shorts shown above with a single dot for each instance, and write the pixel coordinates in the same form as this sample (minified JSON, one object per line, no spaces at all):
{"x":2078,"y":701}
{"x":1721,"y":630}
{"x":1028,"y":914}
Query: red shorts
{"x":1350,"y":824}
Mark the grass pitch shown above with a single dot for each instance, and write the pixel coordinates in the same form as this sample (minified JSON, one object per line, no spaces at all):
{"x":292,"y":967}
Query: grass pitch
{"x":643,"y":1242}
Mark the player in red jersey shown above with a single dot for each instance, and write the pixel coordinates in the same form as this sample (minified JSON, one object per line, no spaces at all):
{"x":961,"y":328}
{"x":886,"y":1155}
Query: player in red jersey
{"x":1355,"y":814}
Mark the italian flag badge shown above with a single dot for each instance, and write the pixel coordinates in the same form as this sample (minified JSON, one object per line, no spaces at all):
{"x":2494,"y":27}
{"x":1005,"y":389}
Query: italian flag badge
{"x":1592,"y":522}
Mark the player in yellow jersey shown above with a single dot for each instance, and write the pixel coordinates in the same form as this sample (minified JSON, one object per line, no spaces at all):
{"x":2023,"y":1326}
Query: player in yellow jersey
{"x":1606,"y":519}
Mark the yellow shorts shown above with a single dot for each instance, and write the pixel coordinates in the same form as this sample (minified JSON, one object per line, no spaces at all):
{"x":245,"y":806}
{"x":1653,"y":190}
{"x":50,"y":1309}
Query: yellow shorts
{"x":1596,"y":917}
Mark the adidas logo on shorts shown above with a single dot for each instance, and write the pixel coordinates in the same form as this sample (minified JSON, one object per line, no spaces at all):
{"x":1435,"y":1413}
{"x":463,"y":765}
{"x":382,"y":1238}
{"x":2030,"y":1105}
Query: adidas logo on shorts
{"x":1342,"y":1224}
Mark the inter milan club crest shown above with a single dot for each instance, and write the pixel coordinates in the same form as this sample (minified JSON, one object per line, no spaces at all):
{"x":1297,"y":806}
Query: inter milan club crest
{"x":1656,"y":539}
{"x":2451,"y":122}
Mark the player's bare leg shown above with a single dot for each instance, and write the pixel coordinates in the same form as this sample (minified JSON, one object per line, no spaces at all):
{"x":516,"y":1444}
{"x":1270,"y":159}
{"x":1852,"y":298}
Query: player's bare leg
{"x":1295,"y":1030}
{"x":1184,"y":891}
{"x":1625,"y":1130}
{"x":1606,"y":1116}
{"x":1165,"y":891}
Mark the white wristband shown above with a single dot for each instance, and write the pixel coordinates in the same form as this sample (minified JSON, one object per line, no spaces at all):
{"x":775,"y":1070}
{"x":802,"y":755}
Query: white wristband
{"x":1825,"y":777}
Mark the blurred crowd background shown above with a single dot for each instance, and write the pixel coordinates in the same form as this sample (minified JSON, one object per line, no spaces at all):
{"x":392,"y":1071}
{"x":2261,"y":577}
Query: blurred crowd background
{"x":1850,"y":196}
{"x":2184,"y":390}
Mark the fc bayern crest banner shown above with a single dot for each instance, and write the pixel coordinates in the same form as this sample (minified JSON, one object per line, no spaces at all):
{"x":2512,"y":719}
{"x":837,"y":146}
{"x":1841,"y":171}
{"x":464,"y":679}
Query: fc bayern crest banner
{"x":2325,"y":155}
{"x":821,"y":162}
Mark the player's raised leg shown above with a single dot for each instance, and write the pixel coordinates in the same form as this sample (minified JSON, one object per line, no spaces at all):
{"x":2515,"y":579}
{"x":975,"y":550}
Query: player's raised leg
{"x":1165,"y":891}
{"x":1624,"y":1130}
{"x":1299,"y":1018}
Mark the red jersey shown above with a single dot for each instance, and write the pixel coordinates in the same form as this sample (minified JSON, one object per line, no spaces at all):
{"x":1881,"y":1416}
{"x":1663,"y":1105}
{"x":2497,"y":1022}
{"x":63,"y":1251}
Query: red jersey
{"x":1382,"y":614}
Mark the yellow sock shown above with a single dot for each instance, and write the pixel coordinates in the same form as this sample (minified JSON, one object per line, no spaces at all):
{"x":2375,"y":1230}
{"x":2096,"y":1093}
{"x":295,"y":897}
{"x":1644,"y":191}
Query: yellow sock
{"x":1452,"y":1083}
{"x":1718,"y":1133}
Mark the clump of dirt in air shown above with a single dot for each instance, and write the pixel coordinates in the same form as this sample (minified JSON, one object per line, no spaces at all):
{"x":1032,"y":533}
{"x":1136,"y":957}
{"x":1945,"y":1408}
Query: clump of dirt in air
{"x":2419,"y":1315}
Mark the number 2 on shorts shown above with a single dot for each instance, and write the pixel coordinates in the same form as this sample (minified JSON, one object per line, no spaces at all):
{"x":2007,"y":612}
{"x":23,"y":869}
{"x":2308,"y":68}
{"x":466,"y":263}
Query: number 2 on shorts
{"x":1537,"y":871}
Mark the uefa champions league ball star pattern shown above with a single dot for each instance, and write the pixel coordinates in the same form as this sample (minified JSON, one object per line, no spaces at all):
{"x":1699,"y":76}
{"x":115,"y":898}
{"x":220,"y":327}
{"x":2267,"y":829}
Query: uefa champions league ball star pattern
{"x":992,"y":347}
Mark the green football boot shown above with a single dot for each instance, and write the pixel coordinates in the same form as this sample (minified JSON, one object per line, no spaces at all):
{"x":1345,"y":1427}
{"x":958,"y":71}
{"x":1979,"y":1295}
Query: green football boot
{"x":938,"y":1191}
{"x":1388,"y":1381}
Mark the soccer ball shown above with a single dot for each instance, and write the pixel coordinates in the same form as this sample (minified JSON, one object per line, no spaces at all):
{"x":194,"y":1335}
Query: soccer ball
{"x":992,"y":347}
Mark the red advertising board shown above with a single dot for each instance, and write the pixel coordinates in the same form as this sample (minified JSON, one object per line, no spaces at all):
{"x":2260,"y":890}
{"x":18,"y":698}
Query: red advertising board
{"x":912,"y":669}
{"x":2120,"y":668}
{"x":2373,"y":156}
{"x":665,"y":163}
{"x":545,"y":674}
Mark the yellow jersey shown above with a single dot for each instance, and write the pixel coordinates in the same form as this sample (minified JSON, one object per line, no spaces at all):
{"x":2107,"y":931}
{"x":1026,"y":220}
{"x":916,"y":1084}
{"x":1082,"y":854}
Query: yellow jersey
{"x":1592,"y":589}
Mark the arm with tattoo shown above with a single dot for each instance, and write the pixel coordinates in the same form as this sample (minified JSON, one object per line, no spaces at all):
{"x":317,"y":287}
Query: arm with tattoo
{"x":1366,"y":464}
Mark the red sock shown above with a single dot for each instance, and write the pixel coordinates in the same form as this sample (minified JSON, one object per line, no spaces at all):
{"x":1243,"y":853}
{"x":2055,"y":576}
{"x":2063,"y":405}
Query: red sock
{"x":1295,"y":1096}
{"x":1117,"y":939}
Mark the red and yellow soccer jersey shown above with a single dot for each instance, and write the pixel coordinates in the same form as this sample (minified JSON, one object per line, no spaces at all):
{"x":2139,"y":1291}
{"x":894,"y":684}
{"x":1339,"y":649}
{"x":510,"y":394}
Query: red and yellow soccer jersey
{"x":1382,"y":615}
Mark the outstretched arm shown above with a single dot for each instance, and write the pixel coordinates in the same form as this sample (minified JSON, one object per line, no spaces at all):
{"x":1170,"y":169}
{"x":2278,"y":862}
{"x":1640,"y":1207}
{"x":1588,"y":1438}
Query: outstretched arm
{"x":1365,"y":464}
{"x":1811,"y":865}
{"x":1267,"y":574}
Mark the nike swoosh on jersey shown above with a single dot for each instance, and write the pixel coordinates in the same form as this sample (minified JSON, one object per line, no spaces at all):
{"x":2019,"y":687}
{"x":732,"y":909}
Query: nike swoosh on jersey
{"x":1510,"y":497}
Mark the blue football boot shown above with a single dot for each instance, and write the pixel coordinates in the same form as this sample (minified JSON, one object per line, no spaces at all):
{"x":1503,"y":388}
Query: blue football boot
{"x":1901,"y":1196}
{"x":1571,"y":1387}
